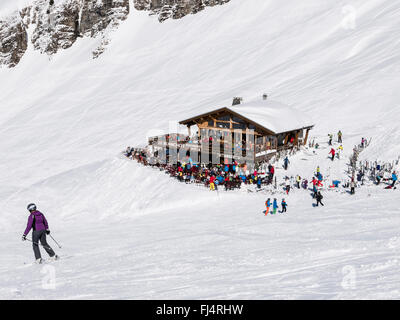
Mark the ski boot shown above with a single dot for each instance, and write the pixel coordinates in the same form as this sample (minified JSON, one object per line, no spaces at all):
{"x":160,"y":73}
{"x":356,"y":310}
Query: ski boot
{"x":54,"y":258}
{"x":39,"y":261}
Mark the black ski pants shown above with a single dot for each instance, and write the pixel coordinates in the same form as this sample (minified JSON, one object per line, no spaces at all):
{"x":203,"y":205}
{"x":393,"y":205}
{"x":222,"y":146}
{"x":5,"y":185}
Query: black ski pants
{"x":40,"y":236}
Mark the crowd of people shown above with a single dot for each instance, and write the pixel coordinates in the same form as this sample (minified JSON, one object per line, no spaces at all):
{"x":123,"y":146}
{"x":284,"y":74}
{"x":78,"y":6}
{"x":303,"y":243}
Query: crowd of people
{"x":228,"y":176}
{"x":234,"y":175}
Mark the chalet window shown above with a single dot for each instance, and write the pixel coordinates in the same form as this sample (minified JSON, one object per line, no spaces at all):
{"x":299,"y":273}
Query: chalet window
{"x":211,"y":123}
{"x":252,"y":126}
{"x":223,"y":125}
{"x":241,"y":126}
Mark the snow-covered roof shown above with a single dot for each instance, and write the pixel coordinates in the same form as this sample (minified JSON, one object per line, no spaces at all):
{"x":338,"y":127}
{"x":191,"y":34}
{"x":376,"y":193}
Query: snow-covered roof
{"x":271,"y":115}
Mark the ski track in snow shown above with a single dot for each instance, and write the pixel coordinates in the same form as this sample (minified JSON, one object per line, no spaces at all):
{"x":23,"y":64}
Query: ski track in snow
{"x":130,"y":232}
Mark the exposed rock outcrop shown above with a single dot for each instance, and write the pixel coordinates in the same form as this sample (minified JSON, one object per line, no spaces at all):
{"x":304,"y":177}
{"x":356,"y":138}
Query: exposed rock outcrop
{"x":52,"y":25}
{"x":58,"y":27}
{"x":13,"y":40}
{"x":175,"y":9}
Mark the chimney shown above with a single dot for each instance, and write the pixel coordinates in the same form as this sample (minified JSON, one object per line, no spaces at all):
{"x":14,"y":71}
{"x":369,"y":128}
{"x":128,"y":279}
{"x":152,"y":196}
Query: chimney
{"x":265,"y":96}
{"x":237,"y":100}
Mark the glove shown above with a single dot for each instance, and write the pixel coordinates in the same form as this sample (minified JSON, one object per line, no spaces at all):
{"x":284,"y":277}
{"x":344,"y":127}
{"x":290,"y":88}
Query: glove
{"x":47,"y":231}
{"x":23,"y":237}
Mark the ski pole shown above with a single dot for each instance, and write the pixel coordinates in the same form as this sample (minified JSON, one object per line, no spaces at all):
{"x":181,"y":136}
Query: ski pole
{"x":38,"y":244}
{"x":55,"y":241}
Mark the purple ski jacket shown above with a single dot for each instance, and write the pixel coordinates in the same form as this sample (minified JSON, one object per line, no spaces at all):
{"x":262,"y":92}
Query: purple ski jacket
{"x":37,"y":221}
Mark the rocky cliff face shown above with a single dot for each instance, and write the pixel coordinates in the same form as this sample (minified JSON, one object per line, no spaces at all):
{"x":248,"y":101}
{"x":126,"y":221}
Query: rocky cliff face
{"x":58,"y":26}
{"x":13,"y":40}
{"x":52,"y":25}
{"x":175,"y":9}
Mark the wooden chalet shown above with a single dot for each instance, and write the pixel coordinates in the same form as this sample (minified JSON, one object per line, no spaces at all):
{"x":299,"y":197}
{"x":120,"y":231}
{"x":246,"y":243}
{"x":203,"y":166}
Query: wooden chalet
{"x":256,"y":130}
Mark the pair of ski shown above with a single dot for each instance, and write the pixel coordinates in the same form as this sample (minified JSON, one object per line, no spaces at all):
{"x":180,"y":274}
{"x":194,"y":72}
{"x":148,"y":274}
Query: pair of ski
{"x":46,"y":261}
{"x":270,"y":212}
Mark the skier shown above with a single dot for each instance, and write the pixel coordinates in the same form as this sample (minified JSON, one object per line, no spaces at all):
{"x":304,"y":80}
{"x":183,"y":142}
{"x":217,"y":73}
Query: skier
{"x":284,"y":205}
{"x":332,"y":152}
{"x":352,"y":186}
{"x":259,"y":182}
{"x":363,"y":142}
{"x":340,"y":136}
{"x":304,"y":184}
{"x":287,"y":185}
{"x":339,"y":150}
{"x":319,"y":198}
{"x":298,"y":180}
{"x":212,"y":183}
{"x":394,"y":178}
{"x":271,"y":170}
{"x":378,"y":178}
{"x":275,"y":206}
{"x":315,"y":188}
{"x":286,"y":163}
{"x":319,"y":177}
{"x":330,"y":139}
{"x":128,"y":152}
{"x":38,"y":223}
{"x":267,"y":205}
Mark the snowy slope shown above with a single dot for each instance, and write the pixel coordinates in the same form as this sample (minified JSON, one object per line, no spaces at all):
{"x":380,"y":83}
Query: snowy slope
{"x":10,"y":6}
{"x":64,"y":121}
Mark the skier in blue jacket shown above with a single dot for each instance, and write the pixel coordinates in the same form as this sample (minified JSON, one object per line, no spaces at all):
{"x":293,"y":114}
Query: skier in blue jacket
{"x":284,"y":205}
{"x":259,"y":182}
{"x":394,"y":178}
{"x":267,"y":205}
{"x":286,"y":163}
{"x":275,"y":206}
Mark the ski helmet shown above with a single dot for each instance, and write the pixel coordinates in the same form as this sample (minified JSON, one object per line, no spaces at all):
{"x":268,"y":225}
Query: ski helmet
{"x":31,"y":207}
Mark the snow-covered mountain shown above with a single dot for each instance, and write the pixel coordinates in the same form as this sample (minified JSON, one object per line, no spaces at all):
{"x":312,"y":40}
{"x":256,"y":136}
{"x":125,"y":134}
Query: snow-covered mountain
{"x":65,"y":117}
{"x":57,"y":24}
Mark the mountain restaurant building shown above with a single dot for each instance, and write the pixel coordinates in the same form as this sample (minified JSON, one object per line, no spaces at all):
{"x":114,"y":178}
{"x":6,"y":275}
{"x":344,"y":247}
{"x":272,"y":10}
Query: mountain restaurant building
{"x":253,"y":131}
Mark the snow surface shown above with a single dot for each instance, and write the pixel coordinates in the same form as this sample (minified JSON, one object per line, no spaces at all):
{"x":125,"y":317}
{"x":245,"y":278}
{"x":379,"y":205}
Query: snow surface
{"x":131,"y":232}
{"x":11,"y":6}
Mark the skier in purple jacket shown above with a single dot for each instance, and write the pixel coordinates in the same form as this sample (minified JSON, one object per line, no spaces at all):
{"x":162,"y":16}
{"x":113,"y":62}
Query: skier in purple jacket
{"x":38,"y":223}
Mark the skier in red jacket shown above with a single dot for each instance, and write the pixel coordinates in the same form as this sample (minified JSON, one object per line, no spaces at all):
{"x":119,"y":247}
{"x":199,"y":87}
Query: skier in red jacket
{"x":332,"y":152}
{"x":212,"y":183}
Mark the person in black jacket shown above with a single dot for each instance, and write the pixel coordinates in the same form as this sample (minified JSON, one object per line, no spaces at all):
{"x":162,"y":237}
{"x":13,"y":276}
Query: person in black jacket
{"x":319,"y":198}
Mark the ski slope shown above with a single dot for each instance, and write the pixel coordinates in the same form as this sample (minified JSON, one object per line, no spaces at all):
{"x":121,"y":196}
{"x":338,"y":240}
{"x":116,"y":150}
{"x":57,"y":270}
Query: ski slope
{"x":130,"y":232}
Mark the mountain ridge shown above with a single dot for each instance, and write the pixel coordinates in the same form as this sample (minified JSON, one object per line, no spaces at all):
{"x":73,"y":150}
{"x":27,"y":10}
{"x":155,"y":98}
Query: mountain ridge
{"x":56,"y":25}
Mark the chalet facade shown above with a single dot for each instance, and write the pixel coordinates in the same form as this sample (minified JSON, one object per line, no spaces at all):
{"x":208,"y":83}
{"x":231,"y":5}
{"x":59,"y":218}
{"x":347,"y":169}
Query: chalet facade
{"x":251,"y":132}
